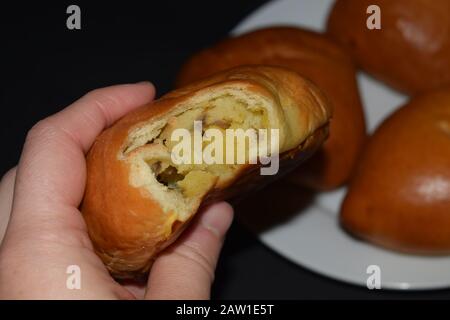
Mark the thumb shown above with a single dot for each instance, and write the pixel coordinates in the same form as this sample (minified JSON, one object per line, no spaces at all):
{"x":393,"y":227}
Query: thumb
{"x":186,"y":269}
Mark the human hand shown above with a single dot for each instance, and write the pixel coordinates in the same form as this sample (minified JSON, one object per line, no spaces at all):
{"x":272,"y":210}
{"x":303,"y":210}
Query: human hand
{"x":46,"y":231}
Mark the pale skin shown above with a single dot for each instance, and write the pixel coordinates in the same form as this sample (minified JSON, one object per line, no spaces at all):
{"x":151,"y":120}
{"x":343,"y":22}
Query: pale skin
{"x":43,"y":231}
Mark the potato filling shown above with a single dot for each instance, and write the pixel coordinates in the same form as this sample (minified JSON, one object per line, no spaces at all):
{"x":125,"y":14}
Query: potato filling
{"x":221,"y":113}
{"x":186,"y":182}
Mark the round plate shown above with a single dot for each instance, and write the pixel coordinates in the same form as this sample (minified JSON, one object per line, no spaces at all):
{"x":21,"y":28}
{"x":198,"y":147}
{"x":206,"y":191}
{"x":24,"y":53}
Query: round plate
{"x":312,"y":237}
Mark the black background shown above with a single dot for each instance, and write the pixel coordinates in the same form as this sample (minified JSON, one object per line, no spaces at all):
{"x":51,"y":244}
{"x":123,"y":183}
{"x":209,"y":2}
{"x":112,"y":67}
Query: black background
{"x":44,"y":67}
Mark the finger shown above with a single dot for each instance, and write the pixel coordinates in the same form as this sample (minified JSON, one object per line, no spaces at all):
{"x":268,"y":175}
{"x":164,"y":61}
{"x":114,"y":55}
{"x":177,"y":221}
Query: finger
{"x":137,"y":289}
{"x":186,"y":269}
{"x":83,"y":120}
{"x":51,"y":172}
{"x":6,"y":198}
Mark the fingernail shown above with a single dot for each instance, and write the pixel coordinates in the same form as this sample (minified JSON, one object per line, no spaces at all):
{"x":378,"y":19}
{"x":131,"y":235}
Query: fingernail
{"x":218,"y":218}
{"x":143,"y":82}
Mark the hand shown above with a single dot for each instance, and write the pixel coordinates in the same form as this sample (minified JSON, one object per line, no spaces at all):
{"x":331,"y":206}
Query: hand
{"x":46,"y":231}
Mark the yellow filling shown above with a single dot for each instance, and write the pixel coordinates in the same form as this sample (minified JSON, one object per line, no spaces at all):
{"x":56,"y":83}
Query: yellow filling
{"x":194,"y":180}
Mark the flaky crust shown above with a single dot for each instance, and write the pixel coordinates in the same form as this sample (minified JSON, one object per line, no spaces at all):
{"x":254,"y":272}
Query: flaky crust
{"x":127,"y":225}
{"x":411,"y":51}
{"x":400,"y":195}
{"x":317,"y":58}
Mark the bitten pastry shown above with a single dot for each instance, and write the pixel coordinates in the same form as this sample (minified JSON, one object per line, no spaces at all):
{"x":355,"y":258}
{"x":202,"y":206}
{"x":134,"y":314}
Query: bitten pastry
{"x":411,"y":51}
{"x":138,"y":200}
{"x":400,"y":195}
{"x":316,"y":57}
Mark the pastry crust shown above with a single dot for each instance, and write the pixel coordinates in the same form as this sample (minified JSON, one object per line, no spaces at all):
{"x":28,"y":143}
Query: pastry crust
{"x":317,"y":58}
{"x":400,"y":195}
{"x":131,"y":215}
{"x":411,"y":51}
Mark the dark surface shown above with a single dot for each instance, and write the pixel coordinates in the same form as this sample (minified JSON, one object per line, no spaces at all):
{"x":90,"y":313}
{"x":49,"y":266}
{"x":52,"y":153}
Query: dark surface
{"x":45,"y":66}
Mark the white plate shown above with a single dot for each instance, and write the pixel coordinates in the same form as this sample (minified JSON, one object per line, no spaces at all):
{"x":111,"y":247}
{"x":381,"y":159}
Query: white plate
{"x":313,"y":238}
